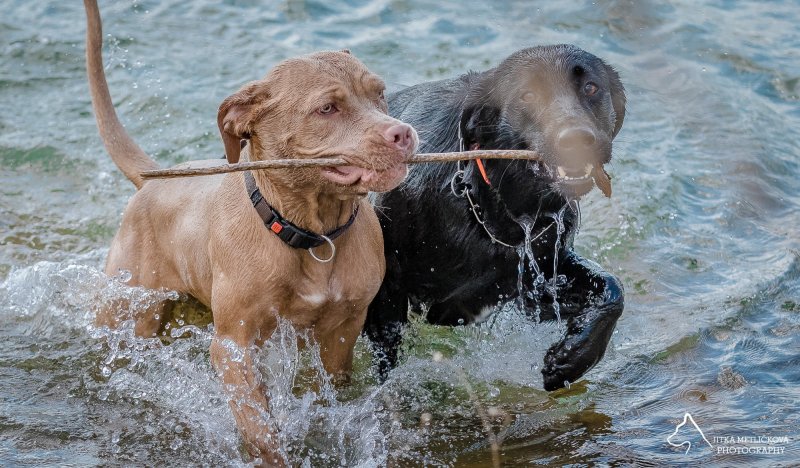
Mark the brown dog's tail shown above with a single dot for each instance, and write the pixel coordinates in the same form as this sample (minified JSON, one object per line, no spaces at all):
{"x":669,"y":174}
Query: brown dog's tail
{"x":125,"y":153}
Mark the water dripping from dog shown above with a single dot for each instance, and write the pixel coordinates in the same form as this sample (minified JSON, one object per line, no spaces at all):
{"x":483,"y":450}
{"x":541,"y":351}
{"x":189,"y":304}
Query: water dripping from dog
{"x":540,"y":284}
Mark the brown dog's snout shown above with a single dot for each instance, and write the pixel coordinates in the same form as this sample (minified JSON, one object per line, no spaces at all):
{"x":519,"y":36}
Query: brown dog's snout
{"x":399,"y":135}
{"x":575,"y":139}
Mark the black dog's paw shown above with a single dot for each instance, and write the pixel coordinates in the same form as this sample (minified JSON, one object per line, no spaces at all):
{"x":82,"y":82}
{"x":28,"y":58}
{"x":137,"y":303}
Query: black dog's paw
{"x":566,"y":362}
{"x":556,"y":370}
{"x":584,"y":345}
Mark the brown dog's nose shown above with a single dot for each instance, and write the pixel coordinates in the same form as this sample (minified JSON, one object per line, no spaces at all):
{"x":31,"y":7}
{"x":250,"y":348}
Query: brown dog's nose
{"x":575,"y":139}
{"x":399,"y":135}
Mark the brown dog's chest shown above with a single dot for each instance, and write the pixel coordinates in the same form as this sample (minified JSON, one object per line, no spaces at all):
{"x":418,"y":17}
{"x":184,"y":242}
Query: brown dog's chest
{"x":258,"y":278}
{"x":315,"y":301}
{"x":313,"y":295}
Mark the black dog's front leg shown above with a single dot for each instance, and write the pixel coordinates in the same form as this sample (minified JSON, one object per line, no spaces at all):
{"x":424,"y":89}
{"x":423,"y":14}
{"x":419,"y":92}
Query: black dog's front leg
{"x":592,"y":301}
{"x":386,"y":318}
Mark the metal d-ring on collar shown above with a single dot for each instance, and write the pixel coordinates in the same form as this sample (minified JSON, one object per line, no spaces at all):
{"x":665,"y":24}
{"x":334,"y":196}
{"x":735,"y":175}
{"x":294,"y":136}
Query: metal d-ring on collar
{"x":292,"y":235}
{"x":333,"y":250}
{"x":458,"y":180}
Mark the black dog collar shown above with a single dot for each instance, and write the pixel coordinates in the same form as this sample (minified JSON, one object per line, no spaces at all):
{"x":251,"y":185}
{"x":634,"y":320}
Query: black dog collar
{"x":292,"y":235}
{"x":462,"y":188}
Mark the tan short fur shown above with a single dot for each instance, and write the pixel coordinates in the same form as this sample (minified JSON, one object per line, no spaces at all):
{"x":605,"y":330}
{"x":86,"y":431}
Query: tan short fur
{"x":201,"y":236}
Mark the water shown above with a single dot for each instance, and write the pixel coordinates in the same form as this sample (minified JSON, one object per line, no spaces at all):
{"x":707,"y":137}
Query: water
{"x":702,"y":229}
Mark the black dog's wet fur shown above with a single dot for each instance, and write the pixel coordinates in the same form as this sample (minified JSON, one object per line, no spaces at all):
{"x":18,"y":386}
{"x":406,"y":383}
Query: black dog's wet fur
{"x":440,"y":259}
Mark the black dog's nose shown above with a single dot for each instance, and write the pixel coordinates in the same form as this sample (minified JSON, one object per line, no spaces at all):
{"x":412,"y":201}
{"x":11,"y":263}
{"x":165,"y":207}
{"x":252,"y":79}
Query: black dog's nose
{"x":575,"y":139}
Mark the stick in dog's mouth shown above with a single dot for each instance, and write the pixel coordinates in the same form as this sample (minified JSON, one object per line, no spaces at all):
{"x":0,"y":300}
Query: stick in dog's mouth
{"x":419,"y":158}
{"x":598,"y":173}
{"x":602,"y":180}
{"x":334,"y":166}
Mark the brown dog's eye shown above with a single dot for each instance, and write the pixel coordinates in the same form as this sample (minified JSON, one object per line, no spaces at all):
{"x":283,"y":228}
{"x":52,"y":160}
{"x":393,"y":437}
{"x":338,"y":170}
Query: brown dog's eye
{"x":381,"y":96}
{"x":327,"y":109}
{"x":590,"y":89}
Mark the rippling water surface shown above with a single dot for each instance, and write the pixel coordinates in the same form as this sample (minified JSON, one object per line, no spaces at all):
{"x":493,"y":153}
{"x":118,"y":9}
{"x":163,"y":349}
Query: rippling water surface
{"x":702,"y":228}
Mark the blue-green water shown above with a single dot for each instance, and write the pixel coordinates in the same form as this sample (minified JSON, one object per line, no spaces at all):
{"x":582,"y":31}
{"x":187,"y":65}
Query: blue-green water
{"x":702,"y":227}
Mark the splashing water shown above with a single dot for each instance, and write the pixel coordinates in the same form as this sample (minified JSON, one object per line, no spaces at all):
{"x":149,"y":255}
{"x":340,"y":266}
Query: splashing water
{"x":146,"y":373}
{"x":166,"y":393}
{"x":557,"y":280}
{"x":701,"y":231}
{"x":313,"y":427}
{"x":540,"y":284}
{"x":525,"y":253}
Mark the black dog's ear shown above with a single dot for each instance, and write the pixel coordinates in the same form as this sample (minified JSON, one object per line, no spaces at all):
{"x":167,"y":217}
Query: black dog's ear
{"x":479,"y":125}
{"x":618,"y":98}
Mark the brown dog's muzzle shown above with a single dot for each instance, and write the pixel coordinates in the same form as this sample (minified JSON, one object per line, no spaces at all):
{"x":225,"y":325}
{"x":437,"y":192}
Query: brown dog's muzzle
{"x":384,"y":168}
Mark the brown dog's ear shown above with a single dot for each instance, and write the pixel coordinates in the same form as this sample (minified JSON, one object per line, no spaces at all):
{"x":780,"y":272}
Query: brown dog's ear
{"x":234,"y":118}
{"x":618,"y":98}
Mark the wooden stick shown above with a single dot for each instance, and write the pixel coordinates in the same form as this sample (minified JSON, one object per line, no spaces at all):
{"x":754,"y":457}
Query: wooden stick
{"x":332,"y":162}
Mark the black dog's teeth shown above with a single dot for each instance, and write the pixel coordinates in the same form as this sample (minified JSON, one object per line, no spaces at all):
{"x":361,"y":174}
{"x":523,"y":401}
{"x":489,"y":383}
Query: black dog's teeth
{"x":562,"y":173}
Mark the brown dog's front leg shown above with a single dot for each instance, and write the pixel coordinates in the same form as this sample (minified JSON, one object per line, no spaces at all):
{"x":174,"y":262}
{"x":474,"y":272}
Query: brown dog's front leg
{"x":147,"y":320}
{"x":336,"y":347}
{"x":247,"y":399}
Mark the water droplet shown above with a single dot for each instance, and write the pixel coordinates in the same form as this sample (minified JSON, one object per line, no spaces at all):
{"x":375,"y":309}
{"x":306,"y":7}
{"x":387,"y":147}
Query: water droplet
{"x":105,"y":371}
{"x":494,"y":392}
{"x":567,"y":384}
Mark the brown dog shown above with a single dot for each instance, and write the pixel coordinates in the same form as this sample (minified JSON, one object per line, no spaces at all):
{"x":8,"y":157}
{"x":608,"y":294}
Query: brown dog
{"x":202,"y":236}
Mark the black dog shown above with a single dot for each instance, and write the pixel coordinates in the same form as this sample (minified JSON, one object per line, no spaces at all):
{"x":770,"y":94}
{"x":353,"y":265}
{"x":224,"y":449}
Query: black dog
{"x":455,"y":233}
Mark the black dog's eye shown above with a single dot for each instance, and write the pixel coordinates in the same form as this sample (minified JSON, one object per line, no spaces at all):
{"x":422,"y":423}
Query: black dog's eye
{"x":327,"y":109}
{"x":590,"y":89}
